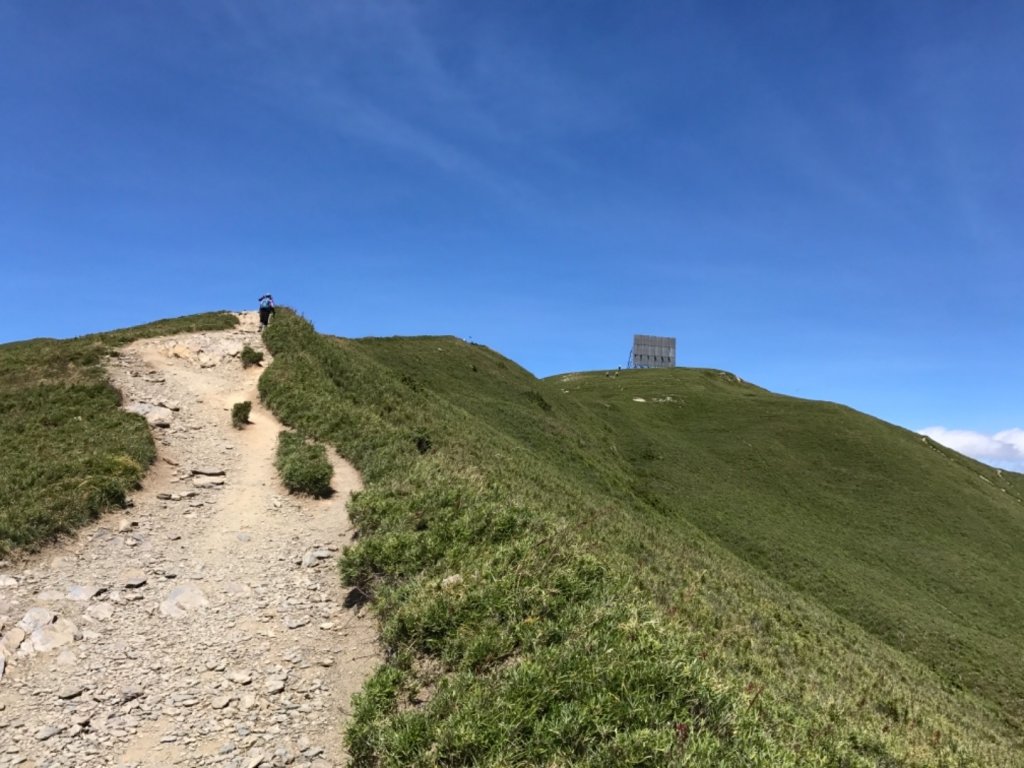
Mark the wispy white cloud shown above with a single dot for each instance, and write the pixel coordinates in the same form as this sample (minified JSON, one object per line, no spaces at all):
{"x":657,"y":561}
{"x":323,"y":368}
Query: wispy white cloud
{"x":1003,"y":449}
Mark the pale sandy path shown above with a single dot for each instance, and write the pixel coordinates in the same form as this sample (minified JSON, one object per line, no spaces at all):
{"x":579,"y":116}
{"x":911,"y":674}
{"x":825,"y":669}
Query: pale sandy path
{"x":256,"y":661}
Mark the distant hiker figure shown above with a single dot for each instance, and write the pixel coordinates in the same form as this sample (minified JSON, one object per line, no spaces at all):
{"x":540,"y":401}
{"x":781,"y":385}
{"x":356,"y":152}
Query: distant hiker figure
{"x":266,"y":309}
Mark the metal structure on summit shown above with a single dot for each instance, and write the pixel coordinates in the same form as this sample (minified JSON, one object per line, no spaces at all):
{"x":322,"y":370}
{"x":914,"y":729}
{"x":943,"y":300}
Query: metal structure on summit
{"x":653,"y":352}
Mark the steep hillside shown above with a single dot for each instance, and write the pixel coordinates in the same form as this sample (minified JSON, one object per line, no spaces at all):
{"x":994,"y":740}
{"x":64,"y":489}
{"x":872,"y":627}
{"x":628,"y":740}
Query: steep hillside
{"x":551,"y":595}
{"x":915,"y":543}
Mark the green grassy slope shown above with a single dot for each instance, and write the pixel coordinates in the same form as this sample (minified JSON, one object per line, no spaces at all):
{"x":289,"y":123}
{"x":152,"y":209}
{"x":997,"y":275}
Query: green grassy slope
{"x":68,"y":452}
{"x":911,"y":541}
{"x":547,"y":599}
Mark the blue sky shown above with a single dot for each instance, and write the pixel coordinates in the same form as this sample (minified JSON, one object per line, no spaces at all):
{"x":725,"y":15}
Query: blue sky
{"x":823,"y":198}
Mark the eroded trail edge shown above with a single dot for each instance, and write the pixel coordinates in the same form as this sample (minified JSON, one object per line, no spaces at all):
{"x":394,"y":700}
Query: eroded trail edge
{"x":206,"y":624}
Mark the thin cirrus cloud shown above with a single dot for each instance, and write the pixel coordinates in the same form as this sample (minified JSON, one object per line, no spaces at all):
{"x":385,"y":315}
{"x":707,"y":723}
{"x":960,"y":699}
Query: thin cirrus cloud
{"x":1003,"y":449}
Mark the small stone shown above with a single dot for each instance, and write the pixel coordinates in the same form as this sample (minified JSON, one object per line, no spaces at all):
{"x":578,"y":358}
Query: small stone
{"x":12,"y":640}
{"x":255,"y":761}
{"x":36,"y":618}
{"x":133,"y":578}
{"x":325,"y":662}
{"x":131,"y":694}
{"x":209,"y":471}
{"x":8,"y":581}
{"x":240,"y":676}
{"x":46,"y":732}
{"x":182,"y":599}
{"x":203,"y":481}
{"x":99,"y":611}
{"x":71,"y":691}
{"x":274,"y":685}
{"x":49,"y":637}
{"x":296,"y":623}
{"x":219,"y":702}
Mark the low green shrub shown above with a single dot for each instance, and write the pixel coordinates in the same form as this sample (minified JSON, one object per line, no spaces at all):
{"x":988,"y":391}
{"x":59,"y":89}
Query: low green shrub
{"x":303,"y":466}
{"x":240,"y":414}
{"x":250,"y":357}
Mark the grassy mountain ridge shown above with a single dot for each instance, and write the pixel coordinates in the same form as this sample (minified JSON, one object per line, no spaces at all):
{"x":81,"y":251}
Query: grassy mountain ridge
{"x":475,"y":469}
{"x":654,"y":568}
{"x":68,"y":451}
{"x":912,"y":544}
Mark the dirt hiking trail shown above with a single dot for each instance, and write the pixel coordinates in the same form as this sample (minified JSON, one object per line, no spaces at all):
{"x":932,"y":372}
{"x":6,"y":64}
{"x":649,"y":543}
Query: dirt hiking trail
{"x":206,"y":624}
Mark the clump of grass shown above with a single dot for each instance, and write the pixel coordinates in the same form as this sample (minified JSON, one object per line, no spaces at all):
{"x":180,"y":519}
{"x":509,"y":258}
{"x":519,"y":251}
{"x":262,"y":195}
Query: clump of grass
{"x":303,"y":466}
{"x":240,"y":414}
{"x":68,"y":451}
{"x":250,"y":357}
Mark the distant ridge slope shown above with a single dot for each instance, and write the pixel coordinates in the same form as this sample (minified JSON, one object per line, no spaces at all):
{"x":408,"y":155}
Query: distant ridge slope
{"x":914,"y":542}
{"x":760,"y":542}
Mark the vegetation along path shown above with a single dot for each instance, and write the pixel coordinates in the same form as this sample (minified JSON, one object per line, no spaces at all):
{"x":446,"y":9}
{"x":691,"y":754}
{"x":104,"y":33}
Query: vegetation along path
{"x":206,"y":625}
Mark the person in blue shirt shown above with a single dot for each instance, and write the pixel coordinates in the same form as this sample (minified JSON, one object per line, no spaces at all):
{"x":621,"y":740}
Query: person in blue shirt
{"x":266,"y":309}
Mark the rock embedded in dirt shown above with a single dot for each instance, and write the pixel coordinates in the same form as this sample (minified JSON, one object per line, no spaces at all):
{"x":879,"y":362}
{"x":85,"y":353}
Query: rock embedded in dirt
{"x":71,"y":691}
{"x":240,"y":676}
{"x":36,"y":618}
{"x":133,"y":578}
{"x":183,"y":599}
{"x":84,"y":592}
{"x":47,"y":732}
{"x":209,"y":471}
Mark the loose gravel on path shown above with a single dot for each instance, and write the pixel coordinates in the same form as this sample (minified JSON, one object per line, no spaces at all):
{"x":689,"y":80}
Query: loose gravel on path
{"x":203,"y":626}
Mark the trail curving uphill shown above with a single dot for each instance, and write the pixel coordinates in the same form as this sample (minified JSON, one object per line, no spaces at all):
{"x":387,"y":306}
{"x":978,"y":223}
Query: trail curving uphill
{"x":205,"y":625}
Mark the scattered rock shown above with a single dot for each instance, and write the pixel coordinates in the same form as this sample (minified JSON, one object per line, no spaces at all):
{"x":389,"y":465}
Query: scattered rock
{"x":12,"y":640}
{"x":240,"y":676}
{"x":53,"y":636}
{"x":131,"y":694}
{"x":205,"y":481}
{"x":84,"y":592}
{"x":219,"y":702}
{"x":46,"y":732}
{"x":182,"y":599}
{"x":8,"y":581}
{"x":209,"y":471}
{"x":273,"y":685}
{"x":37,"y":618}
{"x":71,"y":691}
{"x":313,"y":557}
{"x":296,"y":623}
{"x":133,"y":578}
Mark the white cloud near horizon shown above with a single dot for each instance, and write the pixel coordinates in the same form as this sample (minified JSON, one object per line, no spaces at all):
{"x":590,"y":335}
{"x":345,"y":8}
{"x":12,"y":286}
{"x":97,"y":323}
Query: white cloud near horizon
{"x":1004,"y":449}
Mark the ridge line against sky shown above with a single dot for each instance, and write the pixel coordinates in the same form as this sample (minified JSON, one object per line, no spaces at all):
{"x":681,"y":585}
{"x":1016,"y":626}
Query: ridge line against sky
{"x":822,"y":198}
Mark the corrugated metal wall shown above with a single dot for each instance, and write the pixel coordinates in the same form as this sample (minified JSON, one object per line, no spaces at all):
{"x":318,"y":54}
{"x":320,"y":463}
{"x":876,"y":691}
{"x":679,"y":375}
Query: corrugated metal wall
{"x":653,"y":352}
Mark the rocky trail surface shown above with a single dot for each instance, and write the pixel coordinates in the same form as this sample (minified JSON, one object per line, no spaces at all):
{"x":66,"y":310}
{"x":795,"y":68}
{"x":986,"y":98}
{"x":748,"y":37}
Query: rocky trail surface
{"x":203,"y":626}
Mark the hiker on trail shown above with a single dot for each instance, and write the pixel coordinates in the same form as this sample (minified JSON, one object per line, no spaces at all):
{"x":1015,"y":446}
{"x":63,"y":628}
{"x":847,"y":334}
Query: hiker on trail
{"x":266,"y":309}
